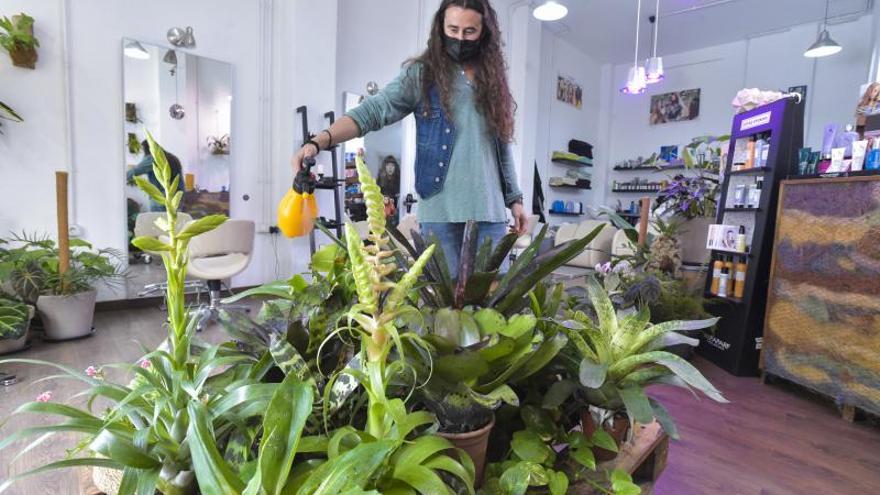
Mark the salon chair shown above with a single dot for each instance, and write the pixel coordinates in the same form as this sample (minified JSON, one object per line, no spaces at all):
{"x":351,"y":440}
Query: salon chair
{"x":216,"y":256}
{"x":145,"y":225}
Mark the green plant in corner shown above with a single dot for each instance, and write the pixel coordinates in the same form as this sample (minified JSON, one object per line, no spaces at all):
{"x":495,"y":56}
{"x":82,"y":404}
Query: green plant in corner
{"x":18,"y":39}
{"x":612,"y":359}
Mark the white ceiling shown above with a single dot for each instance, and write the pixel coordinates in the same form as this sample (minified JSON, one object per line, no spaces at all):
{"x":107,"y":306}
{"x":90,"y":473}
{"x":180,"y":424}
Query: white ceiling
{"x":604,"y":29}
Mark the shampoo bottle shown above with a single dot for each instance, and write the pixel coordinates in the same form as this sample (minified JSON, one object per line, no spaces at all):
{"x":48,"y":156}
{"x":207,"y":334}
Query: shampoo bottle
{"x":741,"y":240}
{"x":739,"y":279}
{"x":722,"y":282}
{"x":716,"y":275}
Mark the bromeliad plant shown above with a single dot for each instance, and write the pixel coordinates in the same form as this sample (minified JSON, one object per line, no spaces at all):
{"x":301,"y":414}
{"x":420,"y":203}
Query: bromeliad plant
{"x":614,"y":358}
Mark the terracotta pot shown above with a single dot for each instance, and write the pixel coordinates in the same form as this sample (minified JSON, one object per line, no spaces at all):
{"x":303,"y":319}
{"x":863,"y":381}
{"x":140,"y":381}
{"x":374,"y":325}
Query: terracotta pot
{"x":617,"y":430}
{"x":67,"y":317}
{"x":475,"y":444}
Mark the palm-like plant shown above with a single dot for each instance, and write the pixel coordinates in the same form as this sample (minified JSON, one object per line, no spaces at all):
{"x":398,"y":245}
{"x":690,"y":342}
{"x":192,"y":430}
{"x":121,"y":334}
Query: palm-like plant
{"x":613,"y":359}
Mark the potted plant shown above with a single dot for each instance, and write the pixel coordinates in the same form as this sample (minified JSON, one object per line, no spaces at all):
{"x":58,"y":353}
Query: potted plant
{"x":219,"y":145}
{"x":18,"y":39}
{"x":612,"y":359}
{"x":691,"y":199}
{"x":65,"y":301}
{"x":15,"y":319}
{"x":7,"y":113}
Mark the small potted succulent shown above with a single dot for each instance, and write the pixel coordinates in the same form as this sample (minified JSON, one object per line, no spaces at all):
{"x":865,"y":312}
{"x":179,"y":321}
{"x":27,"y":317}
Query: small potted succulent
{"x":18,"y":39}
{"x":65,"y":301}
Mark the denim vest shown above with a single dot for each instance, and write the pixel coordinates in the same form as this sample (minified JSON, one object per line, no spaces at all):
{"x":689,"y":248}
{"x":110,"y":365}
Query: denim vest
{"x":435,"y":136}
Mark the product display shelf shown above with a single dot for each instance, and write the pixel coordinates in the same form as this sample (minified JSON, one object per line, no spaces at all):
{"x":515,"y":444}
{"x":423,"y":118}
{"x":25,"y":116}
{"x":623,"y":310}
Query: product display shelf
{"x":642,"y":191}
{"x":571,"y":187}
{"x":566,"y":214}
{"x":649,"y":168}
{"x":741,"y":209}
{"x":735,"y":341}
{"x":570,"y":163}
{"x":751,"y":171}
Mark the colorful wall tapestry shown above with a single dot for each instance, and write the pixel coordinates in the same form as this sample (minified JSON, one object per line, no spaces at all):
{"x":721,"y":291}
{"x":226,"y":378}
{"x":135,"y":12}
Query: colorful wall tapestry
{"x":822,"y":327}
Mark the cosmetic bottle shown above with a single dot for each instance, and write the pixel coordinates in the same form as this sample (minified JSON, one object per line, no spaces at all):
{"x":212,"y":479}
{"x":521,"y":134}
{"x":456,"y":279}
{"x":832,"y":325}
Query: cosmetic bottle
{"x":750,"y":154}
{"x":739,"y":196}
{"x":728,"y":263}
{"x":872,"y":161}
{"x":741,"y":240}
{"x":804,"y":161}
{"x":723,"y":281}
{"x":760,"y":146}
{"x":858,"y":156}
{"x":846,"y":139}
{"x":739,"y":278}
{"x":716,"y":275}
{"x":755,"y":194}
{"x":765,"y":151}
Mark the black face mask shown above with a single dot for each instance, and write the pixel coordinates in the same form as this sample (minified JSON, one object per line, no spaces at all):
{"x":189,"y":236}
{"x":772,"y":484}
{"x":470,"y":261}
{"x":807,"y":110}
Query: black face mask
{"x":461,"y":50}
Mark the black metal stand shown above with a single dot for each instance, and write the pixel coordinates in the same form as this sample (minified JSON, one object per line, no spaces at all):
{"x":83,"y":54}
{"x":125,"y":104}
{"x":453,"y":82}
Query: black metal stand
{"x":333,"y":184}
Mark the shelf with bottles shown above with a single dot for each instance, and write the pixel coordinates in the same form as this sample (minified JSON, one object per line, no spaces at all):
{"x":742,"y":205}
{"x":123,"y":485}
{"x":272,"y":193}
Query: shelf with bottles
{"x":566,"y":213}
{"x":568,"y":208}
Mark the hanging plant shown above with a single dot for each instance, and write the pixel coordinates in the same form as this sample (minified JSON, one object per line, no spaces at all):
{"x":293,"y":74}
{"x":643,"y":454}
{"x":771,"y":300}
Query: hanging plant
{"x":219,"y":145}
{"x":18,"y":39}
{"x":7,"y":113}
{"x":134,"y":146}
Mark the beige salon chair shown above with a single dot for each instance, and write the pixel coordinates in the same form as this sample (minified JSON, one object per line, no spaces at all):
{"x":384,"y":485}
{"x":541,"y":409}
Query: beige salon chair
{"x":216,"y":256}
{"x":407,"y":224}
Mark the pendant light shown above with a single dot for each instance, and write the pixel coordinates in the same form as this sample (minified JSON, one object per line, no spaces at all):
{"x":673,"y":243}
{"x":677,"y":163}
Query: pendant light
{"x":550,"y":11}
{"x":636,"y":81}
{"x":824,"y":45}
{"x":654,"y":65}
{"x":135,"y":50}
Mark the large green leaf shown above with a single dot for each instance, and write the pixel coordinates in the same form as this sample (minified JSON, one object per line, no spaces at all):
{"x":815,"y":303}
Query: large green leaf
{"x":650,"y":334}
{"x":515,"y":480}
{"x":461,"y":367}
{"x":541,"y":357}
{"x":466,"y":261}
{"x":150,"y":244}
{"x":592,"y":374}
{"x":67,"y":463}
{"x":637,"y":405}
{"x":122,"y":450}
{"x":529,"y":446}
{"x":349,"y":470}
{"x":202,"y":225}
{"x":558,"y":483}
{"x":282,"y":426}
{"x":664,"y":418}
{"x":213,"y":473}
{"x":558,"y":393}
{"x":683,"y":369}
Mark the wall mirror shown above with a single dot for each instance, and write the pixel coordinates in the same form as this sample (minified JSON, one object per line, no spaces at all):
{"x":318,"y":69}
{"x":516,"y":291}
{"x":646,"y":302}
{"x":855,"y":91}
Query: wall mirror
{"x":185,"y":102}
{"x":382,"y":154}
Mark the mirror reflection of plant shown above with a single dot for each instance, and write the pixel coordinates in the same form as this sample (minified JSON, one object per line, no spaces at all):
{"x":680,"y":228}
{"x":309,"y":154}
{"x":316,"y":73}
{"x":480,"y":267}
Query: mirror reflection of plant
{"x":689,"y":196}
{"x":31,"y":268}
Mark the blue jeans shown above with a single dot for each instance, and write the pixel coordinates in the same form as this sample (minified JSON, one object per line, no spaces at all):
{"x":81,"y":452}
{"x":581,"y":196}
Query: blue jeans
{"x":450,"y":235}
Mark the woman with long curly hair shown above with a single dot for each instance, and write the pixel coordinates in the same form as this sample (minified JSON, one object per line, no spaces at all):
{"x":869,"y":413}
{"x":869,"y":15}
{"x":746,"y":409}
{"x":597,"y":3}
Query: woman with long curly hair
{"x":458,"y":91}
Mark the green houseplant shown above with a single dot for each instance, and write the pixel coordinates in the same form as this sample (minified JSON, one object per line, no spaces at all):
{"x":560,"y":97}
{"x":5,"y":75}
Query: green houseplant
{"x":18,"y":39}
{"x":7,"y":113}
{"x":15,"y":318}
{"x":613,"y":358}
{"x":65,"y":301}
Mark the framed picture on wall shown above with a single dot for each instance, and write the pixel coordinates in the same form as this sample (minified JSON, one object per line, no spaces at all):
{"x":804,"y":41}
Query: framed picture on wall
{"x":675,"y":107}
{"x":569,"y":91}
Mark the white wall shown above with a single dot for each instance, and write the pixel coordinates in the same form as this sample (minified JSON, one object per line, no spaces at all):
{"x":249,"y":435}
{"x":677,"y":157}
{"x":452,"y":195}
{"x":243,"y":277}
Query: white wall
{"x":558,"y":122}
{"x":773,"y":61}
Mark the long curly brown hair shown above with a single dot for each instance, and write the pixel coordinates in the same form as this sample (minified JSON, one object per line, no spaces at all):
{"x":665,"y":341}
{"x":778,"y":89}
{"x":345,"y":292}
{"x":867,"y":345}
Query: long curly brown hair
{"x":494,"y":100}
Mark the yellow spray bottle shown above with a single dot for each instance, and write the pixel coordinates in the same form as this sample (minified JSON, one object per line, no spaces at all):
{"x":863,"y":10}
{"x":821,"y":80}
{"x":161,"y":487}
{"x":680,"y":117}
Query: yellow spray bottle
{"x":298,"y":210}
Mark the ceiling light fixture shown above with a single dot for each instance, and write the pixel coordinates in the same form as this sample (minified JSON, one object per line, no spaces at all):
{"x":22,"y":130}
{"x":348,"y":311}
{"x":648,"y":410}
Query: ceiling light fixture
{"x":654,"y":65}
{"x":550,"y":11}
{"x":133,"y":49}
{"x":636,"y":81}
{"x":824,"y":45}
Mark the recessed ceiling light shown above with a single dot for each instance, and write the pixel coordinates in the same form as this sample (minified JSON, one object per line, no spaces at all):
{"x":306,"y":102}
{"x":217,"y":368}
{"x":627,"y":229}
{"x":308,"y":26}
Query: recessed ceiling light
{"x":550,"y":11}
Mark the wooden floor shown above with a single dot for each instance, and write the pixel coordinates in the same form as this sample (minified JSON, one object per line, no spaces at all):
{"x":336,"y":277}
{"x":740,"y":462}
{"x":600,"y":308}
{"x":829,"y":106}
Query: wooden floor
{"x":770,"y":440}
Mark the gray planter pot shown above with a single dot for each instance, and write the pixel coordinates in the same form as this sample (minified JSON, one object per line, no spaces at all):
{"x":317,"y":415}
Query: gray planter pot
{"x":8,"y":346}
{"x":67,"y":317}
{"x":693,"y":240}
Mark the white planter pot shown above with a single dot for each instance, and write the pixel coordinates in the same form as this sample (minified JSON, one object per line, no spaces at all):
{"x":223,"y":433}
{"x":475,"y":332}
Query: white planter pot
{"x":67,"y":317}
{"x":693,"y":240}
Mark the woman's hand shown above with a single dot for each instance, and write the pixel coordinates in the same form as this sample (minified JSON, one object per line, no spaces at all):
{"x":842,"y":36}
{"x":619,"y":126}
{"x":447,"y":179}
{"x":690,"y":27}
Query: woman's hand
{"x":307,"y":151}
{"x":520,"y":219}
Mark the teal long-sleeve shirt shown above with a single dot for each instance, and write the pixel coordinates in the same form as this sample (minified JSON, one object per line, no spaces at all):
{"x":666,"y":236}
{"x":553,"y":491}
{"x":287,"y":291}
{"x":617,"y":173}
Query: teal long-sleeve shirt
{"x":472,"y":189}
